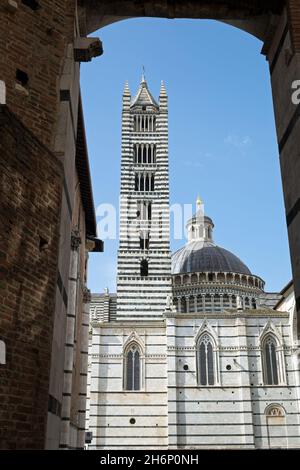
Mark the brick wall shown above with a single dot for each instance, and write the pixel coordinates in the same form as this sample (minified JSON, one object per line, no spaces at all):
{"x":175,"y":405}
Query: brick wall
{"x":294,"y":20}
{"x":30,"y":194}
{"x":34,"y":41}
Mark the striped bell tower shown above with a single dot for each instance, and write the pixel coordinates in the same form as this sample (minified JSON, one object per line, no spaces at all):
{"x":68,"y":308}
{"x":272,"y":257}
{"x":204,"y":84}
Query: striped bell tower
{"x":144,"y":265}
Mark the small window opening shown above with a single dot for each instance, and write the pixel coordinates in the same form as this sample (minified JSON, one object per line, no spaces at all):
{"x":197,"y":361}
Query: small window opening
{"x":43,"y":244}
{"x":22,"y":77}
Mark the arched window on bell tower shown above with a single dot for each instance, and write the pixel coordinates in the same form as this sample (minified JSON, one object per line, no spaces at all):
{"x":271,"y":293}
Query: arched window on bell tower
{"x":144,"y":268}
{"x":144,"y":240}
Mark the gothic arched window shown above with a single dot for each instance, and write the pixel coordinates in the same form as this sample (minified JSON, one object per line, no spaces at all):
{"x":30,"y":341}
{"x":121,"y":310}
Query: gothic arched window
{"x":133,"y":368}
{"x":206,"y":373}
{"x":270,"y":363}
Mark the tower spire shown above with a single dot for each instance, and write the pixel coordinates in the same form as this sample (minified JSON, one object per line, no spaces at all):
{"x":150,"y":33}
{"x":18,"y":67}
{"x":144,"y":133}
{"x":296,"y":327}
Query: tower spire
{"x":126,"y":89}
{"x":162,"y":89}
{"x":143,"y":75}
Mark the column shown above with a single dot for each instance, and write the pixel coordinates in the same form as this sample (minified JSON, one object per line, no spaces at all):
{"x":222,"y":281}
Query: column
{"x":187,"y":302}
{"x":69,"y":342}
{"x":84,"y":346}
{"x":203,"y":302}
{"x":221,"y":302}
{"x":212,"y":296}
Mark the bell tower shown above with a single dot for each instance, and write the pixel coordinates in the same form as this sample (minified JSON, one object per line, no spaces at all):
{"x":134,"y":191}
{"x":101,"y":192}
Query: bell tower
{"x":144,"y":265}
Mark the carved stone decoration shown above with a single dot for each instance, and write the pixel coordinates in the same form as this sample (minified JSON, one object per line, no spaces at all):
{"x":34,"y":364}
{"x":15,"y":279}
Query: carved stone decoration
{"x":75,"y":239}
{"x":134,"y":337}
{"x":275,"y":411}
{"x":87,"y":297}
{"x":169,"y":304}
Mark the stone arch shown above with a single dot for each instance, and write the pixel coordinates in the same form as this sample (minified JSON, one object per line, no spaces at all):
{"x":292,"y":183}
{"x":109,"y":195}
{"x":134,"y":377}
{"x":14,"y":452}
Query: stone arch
{"x":251,"y":17}
{"x":275,"y":410}
{"x":134,"y":338}
{"x":270,"y":329}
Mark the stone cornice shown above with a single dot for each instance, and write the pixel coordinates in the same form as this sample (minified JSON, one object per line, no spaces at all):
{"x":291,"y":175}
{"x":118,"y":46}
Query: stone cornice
{"x":130,"y":324}
{"x":229,"y":314}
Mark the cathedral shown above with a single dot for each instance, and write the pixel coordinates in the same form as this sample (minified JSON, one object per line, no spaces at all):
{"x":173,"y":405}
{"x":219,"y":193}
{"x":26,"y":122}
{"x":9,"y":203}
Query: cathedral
{"x":191,"y":352}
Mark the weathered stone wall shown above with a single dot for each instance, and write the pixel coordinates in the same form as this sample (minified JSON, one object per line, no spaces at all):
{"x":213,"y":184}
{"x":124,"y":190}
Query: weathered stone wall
{"x":30,"y":194}
{"x":172,"y":410}
{"x":111,"y":407}
{"x":233,"y":412}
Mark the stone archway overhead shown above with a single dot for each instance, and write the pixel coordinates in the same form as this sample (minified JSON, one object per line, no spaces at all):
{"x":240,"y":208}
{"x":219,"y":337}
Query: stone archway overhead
{"x":101,"y":13}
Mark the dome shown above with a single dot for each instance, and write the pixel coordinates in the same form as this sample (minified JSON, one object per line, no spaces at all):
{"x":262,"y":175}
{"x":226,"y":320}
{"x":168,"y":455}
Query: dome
{"x":197,"y":256}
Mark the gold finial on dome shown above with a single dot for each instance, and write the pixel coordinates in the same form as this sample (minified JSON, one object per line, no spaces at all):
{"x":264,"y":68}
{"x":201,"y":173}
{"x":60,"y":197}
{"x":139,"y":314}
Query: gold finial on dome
{"x":198,"y":202}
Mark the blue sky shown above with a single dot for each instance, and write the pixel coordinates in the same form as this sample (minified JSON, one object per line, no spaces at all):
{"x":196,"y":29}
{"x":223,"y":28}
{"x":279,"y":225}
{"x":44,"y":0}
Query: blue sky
{"x":222,"y":140}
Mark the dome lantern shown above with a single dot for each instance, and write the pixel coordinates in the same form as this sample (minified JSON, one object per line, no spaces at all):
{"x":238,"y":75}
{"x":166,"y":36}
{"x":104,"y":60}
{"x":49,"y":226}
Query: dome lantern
{"x":200,"y":227}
